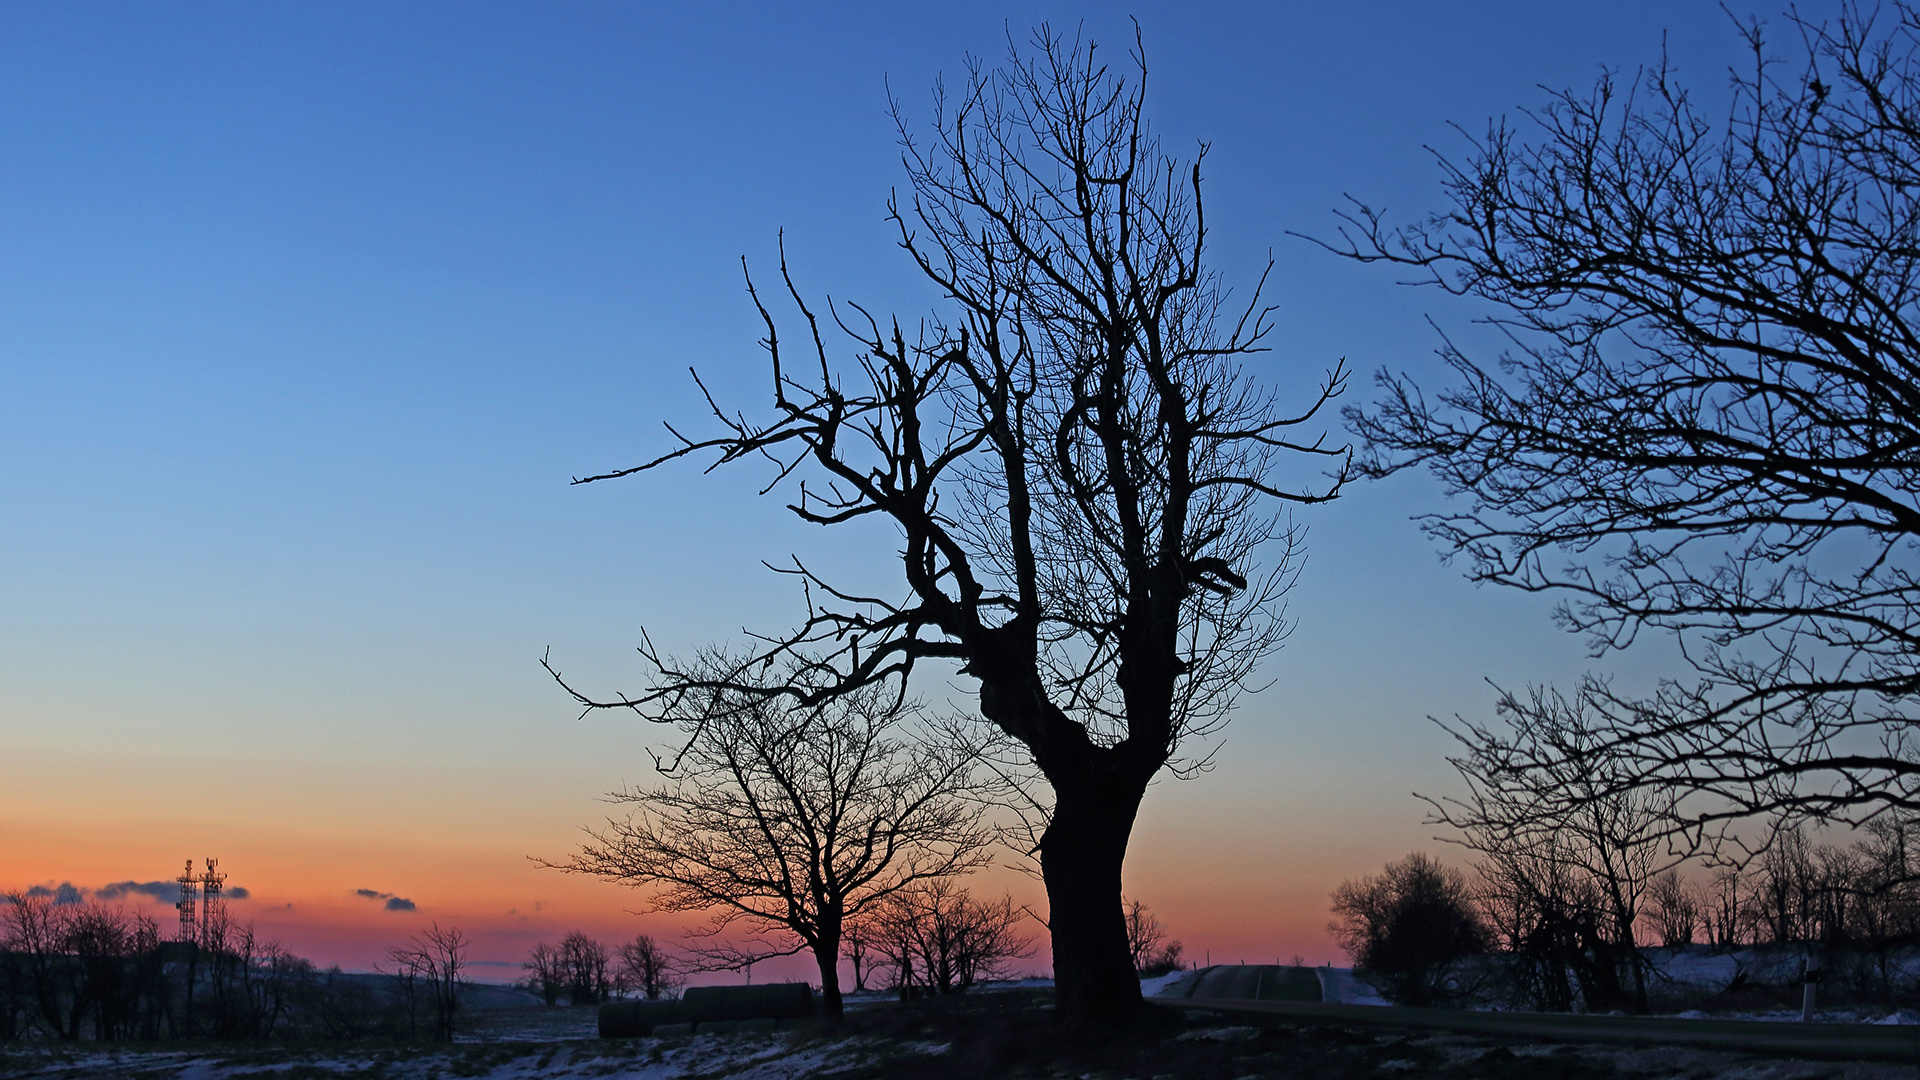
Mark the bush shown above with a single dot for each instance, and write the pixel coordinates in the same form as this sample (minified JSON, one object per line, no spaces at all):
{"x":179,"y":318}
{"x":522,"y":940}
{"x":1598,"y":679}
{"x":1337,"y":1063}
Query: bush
{"x":1408,"y":929}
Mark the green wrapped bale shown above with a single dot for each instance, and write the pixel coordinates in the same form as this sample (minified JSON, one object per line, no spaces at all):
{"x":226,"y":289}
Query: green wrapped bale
{"x":768,"y":1001}
{"x":630,"y":1019}
{"x":728,"y":1027}
{"x":674,"y":1029}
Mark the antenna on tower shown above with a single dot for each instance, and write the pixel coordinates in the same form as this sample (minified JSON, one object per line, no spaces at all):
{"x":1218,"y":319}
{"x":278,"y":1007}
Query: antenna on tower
{"x":211,"y":907}
{"x":189,"y":890}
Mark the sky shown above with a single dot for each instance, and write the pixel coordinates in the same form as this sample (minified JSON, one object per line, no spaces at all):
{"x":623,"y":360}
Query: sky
{"x":309,"y":313}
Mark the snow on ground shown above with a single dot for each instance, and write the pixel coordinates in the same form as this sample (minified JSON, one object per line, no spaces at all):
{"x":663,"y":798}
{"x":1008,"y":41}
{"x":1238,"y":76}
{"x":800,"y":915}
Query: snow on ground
{"x":1338,"y":985}
{"x":1692,"y":969}
{"x":1157,"y":984}
{"x":737,"y":1057}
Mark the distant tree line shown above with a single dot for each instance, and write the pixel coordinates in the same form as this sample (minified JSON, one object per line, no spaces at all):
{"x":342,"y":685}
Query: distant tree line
{"x":932,"y":937}
{"x":92,"y":971}
{"x":1558,"y":929}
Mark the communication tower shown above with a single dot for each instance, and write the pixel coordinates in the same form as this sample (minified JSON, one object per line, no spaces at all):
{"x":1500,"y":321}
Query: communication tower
{"x":189,"y":890}
{"x":211,"y":907}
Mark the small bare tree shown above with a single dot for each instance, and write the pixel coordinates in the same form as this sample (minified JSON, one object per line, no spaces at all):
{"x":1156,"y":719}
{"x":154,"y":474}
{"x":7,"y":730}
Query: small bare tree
{"x":583,"y":966}
{"x":1147,"y":940}
{"x":857,"y":940}
{"x":1674,"y":908}
{"x":426,"y":969}
{"x":1541,"y":911}
{"x":35,"y":933}
{"x":789,"y":822}
{"x":1144,"y":932}
{"x":940,"y":940}
{"x":1606,"y":837}
{"x":543,"y":972}
{"x":646,"y":968}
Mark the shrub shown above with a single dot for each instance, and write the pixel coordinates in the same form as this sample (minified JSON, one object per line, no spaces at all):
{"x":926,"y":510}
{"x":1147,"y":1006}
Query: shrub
{"x":1408,"y":928}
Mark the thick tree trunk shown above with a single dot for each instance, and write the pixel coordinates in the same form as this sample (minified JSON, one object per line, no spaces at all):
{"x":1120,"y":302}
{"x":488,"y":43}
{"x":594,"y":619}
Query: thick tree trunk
{"x":828,"y":957}
{"x":1080,"y":859}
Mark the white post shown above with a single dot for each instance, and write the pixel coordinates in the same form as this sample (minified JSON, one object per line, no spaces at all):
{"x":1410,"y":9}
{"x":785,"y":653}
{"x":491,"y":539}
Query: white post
{"x":1813,"y":982}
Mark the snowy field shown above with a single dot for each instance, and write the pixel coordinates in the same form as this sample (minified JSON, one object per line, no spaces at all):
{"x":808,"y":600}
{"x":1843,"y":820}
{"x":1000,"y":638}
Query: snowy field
{"x":743,"y":1057}
{"x":989,"y":1034}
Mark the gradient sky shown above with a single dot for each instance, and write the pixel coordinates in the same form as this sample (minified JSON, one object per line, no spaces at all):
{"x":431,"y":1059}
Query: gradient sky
{"x":309,"y":312}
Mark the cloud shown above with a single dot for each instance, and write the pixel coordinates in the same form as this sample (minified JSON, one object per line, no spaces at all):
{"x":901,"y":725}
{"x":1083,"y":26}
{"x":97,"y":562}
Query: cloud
{"x":67,"y":893}
{"x":167,"y":892}
{"x":393,"y":903}
{"x":63,"y":894}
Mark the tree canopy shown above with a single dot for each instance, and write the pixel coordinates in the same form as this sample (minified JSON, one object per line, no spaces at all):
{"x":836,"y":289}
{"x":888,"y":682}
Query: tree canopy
{"x":1708,"y":424}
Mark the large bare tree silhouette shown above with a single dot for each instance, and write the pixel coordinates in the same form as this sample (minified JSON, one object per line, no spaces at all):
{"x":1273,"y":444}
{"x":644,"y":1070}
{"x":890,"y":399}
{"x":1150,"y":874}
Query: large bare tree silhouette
{"x":1082,"y":473}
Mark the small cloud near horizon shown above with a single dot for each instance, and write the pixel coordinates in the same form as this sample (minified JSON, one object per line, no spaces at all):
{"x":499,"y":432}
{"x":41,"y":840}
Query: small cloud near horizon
{"x":393,"y":903}
{"x":166,"y":892}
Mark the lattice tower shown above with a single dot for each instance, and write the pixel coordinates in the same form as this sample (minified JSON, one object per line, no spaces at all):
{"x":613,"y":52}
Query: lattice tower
{"x":211,"y":907}
{"x":189,"y":890}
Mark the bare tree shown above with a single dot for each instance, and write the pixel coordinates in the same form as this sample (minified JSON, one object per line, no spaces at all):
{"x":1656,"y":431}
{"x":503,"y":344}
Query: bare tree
{"x":647,"y":968}
{"x":940,"y":940}
{"x":35,"y":933}
{"x":1607,"y":837}
{"x":1674,"y":908}
{"x":446,"y":954}
{"x":789,"y":822}
{"x":857,"y":941}
{"x":1708,"y":426}
{"x":1542,"y":914}
{"x":1081,"y":473}
{"x":583,"y":968}
{"x":428,"y":965}
{"x":407,"y":976}
{"x":1144,"y":932}
{"x":1724,"y":918}
{"x":1147,"y":941}
{"x":543,"y":972}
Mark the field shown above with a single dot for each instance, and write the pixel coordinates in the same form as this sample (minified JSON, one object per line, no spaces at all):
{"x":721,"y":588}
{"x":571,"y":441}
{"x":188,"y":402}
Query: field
{"x":1007,"y":1034}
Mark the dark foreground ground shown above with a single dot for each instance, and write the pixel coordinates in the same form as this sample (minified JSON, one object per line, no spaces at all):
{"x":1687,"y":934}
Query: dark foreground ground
{"x":1008,"y":1034}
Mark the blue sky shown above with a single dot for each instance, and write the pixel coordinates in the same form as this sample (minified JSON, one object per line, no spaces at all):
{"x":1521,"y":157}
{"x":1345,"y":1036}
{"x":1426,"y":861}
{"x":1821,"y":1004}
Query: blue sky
{"x":309,"y":312}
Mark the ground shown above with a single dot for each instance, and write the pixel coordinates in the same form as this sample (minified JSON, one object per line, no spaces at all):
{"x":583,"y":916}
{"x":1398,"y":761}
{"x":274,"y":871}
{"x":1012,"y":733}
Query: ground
{"x":1009,"y":1034}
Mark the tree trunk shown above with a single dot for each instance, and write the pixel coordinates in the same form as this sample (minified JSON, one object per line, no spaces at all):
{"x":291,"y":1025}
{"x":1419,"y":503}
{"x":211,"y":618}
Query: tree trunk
{"x":828,"y":957}
{"x":1080,"y":860}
